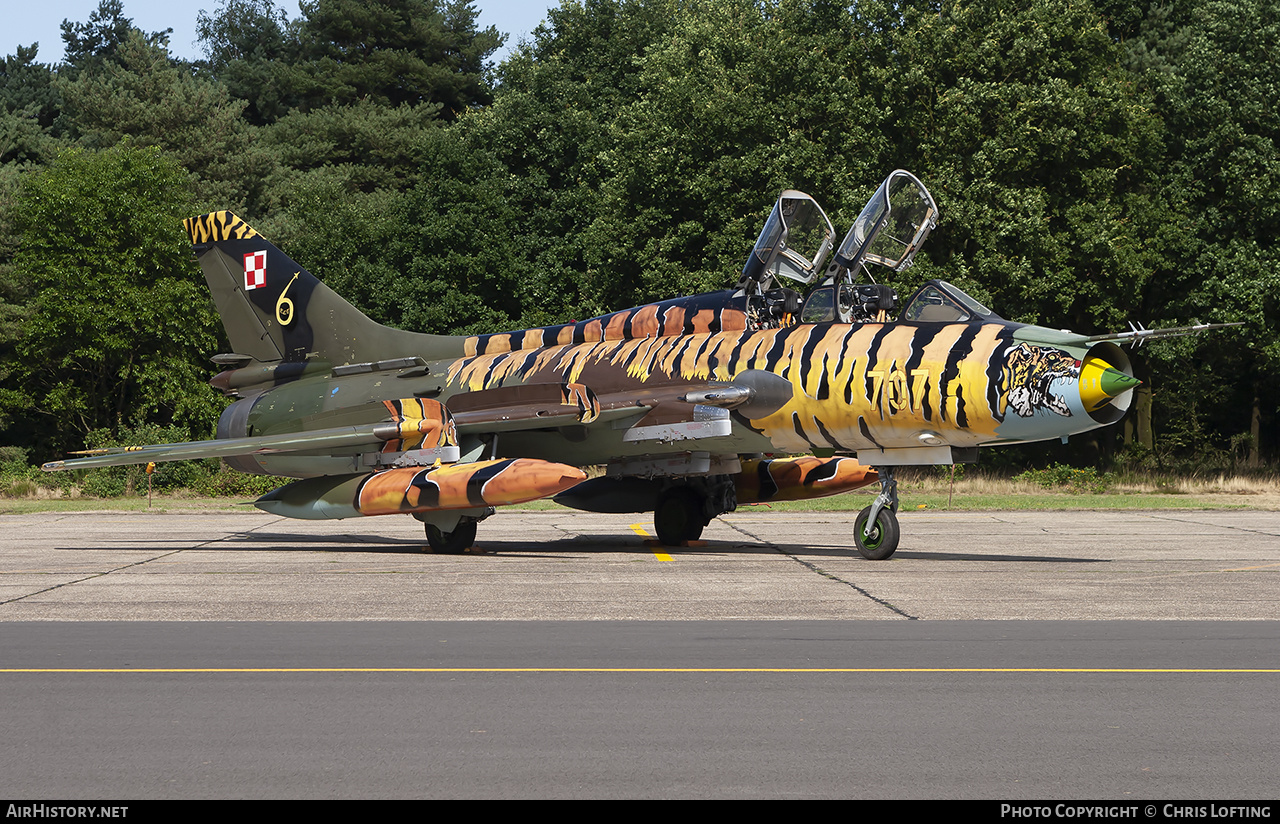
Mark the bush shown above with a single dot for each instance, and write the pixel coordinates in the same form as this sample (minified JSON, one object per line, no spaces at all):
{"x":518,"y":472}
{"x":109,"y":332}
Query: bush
{"x":1076,"y":481}
{"x":105,"y":483}
{"x":226,"y":482}
{"x":18,"y":479}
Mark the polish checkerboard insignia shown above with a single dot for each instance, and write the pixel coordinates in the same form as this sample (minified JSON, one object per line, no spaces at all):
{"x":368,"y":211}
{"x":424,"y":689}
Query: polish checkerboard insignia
{"x":255,"y":270}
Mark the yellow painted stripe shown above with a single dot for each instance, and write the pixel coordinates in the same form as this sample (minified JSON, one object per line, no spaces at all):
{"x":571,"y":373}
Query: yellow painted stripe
{"x":639,"y":670}
{"x":639,"y":530}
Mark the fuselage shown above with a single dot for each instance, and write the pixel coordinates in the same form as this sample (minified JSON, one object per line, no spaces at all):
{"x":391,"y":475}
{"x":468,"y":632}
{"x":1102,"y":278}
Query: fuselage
{"x":853,"y":387}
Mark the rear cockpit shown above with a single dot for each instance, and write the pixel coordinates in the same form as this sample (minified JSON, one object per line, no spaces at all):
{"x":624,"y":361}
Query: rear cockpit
{"x":797,"y":239}
{"x":794,"y":243}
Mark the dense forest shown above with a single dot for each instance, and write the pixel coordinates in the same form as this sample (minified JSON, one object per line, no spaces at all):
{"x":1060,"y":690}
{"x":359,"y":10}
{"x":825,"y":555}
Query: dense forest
{"x":1096,"y":162}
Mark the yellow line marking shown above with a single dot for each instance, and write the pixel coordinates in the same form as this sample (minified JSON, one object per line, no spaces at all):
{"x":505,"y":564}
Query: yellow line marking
{"x":639,"y":530}
{"x":638,"y":670}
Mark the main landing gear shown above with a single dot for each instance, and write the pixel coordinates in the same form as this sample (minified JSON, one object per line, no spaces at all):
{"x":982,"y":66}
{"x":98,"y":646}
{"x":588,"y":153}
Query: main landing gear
{"x":452,"y":532}
{"x":685,"y":508}
{"x":876,"y":529}
{"x":679,"y":516}
{"x":452,"y":543}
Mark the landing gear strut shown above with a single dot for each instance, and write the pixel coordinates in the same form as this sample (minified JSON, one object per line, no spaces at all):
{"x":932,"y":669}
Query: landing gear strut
{"x":876,"y":529}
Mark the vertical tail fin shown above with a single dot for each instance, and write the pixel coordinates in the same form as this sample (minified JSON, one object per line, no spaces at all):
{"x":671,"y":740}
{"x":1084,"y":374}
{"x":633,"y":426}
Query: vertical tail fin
{"x":275,"y":310}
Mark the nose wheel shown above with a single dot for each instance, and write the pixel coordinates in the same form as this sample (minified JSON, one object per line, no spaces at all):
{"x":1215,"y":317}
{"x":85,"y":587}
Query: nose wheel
{"x":876,"y":529}
{"x":881,"y":539}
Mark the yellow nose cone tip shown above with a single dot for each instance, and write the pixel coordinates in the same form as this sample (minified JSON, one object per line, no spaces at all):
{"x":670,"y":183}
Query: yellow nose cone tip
{"x":1100,"y":382}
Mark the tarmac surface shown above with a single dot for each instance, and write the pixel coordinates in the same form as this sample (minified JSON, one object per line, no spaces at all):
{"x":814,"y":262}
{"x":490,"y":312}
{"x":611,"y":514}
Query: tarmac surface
{"x":1013,"y":656}
{"x":566,"y":565}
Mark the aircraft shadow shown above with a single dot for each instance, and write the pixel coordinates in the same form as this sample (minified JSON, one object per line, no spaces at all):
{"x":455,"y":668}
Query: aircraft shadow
{"x":973,"y":556}
{"x":301,"y":542}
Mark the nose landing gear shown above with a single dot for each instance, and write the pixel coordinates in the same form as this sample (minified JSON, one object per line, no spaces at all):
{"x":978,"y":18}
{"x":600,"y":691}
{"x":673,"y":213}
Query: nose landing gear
{"x":875,"y":530}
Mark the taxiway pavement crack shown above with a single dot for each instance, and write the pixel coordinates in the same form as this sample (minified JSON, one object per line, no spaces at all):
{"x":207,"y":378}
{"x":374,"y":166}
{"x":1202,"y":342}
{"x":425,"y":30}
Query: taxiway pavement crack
{"x":889,"y":605}
{"x":1159,"y":517}
{"x":128,"y":566}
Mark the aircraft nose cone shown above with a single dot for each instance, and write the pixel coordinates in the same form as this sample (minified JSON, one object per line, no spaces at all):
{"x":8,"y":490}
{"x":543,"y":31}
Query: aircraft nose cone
{"x":1100,"y":382}
{"x":1114,"y":382}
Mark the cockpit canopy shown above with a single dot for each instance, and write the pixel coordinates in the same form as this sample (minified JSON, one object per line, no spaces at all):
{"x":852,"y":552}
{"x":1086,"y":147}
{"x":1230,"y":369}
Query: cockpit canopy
{"x":797,"y":239}
{"x":939,"y":301}
{"x":892,"y":226}
{"x":795,"y":242}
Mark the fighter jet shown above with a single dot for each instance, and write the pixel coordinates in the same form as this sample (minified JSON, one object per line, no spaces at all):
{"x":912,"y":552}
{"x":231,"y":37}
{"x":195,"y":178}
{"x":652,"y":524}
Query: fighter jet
{"x":690,"y":406}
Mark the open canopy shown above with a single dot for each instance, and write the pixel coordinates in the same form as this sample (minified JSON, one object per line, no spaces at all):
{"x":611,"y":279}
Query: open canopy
{"x":795,"y":242}
{"x":892,"y":226}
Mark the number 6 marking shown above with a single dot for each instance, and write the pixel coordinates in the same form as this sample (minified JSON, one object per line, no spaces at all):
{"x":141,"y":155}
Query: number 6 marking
{"x":284,"y":306}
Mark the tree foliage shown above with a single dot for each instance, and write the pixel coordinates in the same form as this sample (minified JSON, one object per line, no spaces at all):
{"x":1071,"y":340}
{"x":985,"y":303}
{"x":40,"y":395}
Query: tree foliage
{"x":119,"y":320}
{"x":1096,"y":162}
{"x":249,"y":47}
{"x":89,"y":46}
{"x":341,"y":52}
{"x":143,"y":97}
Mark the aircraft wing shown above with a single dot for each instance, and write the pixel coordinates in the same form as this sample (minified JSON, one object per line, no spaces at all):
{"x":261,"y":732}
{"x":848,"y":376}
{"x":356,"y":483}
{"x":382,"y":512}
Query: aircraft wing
{"x":502,"y":409}
{"x":321,"y":439}
{"x":756,"y":393}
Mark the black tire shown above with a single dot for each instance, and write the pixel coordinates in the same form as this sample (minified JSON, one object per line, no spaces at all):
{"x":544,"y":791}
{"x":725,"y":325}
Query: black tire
{"x":451,"y":543}
{"x":678,"y":516}
{"x":884,"y":538}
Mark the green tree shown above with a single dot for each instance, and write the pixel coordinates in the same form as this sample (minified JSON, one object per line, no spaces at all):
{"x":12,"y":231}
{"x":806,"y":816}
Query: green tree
{"x":738,"y":101}
{"x":90,"y":45}
{"x":251,"y":47}
{"x":438,"y":257}
{"x":486,"y":232}
{"x":142,"y":95}
{"x":30,"y":109}
{"x":364,"y":145}
{"x":120,"y":325}
{"x":393,"y":52}
{"x":539,"y":147}
{"x":27,"y":86}
{"x":14,"y":294}
{"x":1037,"y":147}
{"x":1210,"y":67}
